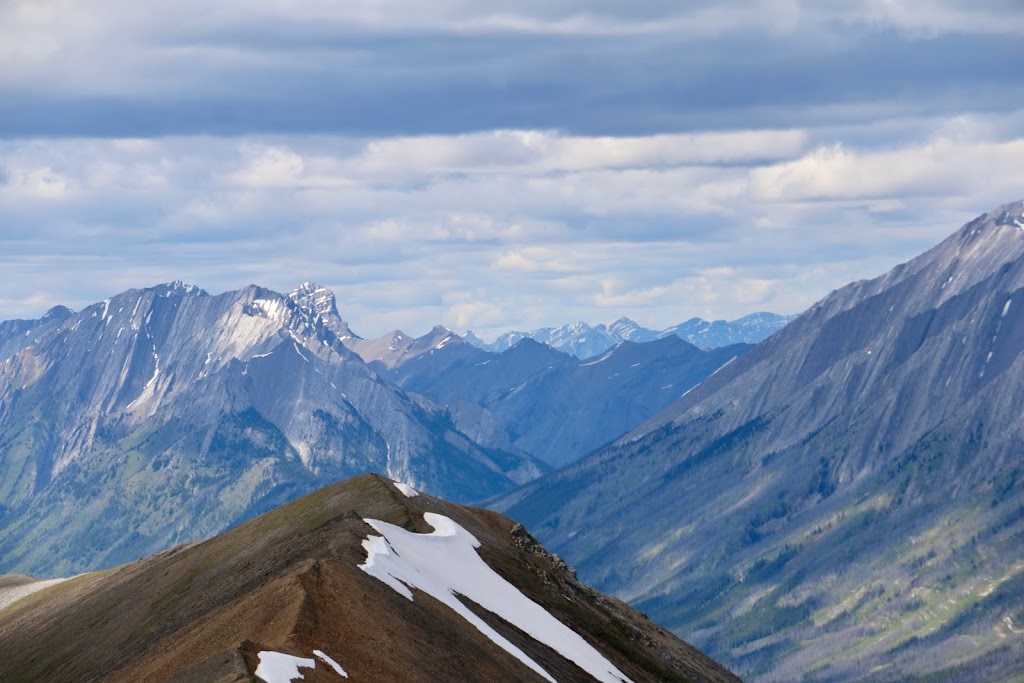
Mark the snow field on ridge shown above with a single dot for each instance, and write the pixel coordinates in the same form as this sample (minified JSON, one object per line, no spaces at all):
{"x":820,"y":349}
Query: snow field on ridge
{"x":444,"y":564}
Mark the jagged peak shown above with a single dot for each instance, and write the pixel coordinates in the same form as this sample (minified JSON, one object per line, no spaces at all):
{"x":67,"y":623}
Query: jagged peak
{"x":308,"y":288}
{"x":321,"y":301}
{"x":312,"y":295}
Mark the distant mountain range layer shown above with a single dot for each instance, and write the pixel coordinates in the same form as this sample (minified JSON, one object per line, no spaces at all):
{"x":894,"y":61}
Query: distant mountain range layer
{"x":843,"y":502}
{"x":363,"y":580}
{"x":586,"y":341}
{"x":551,"y":405}
{"x":165,"y":415}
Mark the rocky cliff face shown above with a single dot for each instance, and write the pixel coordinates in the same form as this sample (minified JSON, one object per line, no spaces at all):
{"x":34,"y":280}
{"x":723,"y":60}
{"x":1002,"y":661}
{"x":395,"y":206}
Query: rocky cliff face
{"x":164,"y":415}
{"x":846,"y":498}
{"x":321,"y":588}
{"x":320,"y":301}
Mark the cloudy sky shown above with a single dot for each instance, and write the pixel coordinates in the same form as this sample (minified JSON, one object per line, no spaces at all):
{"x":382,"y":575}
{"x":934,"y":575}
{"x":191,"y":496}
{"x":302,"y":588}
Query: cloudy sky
{"x":501,"y":164}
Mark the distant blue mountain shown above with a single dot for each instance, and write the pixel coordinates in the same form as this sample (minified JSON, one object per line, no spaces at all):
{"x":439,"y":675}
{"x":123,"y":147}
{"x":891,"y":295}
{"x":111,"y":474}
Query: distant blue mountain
{"x":586,"y":341}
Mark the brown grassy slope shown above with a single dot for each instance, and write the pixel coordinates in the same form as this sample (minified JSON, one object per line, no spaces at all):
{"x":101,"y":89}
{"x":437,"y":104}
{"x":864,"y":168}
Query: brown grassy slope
{"x":288,"y":581}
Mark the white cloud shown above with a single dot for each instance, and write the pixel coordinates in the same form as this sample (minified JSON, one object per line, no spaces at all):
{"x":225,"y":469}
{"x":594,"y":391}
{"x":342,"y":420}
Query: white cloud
{"x":540,"y":152}
{"x":39,"y":183}
{"x":585,"y":228}
{"x":935,"y":17}
{"x":940,"y":167}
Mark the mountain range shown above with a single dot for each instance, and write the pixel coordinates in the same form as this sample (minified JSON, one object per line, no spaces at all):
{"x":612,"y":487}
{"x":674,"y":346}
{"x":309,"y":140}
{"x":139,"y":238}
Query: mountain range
{"x":546,"y":403}
{"x":530,"y":398}
{"x":843,"y":502}
{"x":164,"y":415}
{"x":365,"y":580}
{"x":586,"y":341}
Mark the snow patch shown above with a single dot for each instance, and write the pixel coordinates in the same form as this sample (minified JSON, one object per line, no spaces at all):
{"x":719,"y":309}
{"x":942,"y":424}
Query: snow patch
{"x":301,"y":355}
{"x":599,"y":360}
{"x":333,"y":664}
{"x":277,"y":667}
{"x":722,"y":367}
{"x":271,"y":308}
{"x":406,"y":489}
{"x":445,"y":564}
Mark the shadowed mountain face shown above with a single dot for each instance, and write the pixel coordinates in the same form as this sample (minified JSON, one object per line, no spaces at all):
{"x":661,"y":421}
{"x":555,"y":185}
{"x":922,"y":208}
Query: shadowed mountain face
{"x":304,"y":584}
{"x":165,"y":415}
{"x":843,"y":502}
{"x":549,"y":404}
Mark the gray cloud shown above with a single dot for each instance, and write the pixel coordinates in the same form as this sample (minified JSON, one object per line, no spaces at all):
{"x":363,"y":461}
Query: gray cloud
{"x":509,"y":164}
{"x":613,"y":69}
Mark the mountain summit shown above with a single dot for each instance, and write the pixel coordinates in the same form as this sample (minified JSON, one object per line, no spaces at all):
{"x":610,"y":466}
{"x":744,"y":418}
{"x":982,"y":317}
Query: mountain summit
{"x":846,"y":497}
{"x":320,"y":301}
{"x":365,"y":580}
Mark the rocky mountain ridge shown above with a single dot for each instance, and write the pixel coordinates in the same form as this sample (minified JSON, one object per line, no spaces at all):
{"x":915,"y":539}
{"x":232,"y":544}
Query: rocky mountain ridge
{"x":852,"y":485}
{"x":319,"y":590}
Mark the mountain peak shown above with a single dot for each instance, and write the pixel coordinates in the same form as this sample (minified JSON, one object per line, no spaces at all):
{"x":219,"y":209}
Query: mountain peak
{"x":974,"y":253}
{"x":58,"y":313}
{"x":1010,"y":214}
{"x":321,"y":302}
{"x":993,"y":231}
{"x":176,"y":288}
{"x":317,"y":298}
{"x":439,"y":337}
{"x":470,"y":337}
